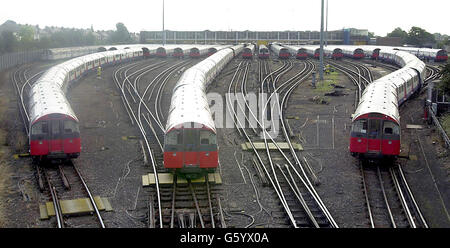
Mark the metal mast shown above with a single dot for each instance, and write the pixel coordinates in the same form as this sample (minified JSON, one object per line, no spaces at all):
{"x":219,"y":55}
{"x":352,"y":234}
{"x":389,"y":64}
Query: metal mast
{"x":164,"y":31}
{"x":326,"y":29}
{"x":321,"y":45}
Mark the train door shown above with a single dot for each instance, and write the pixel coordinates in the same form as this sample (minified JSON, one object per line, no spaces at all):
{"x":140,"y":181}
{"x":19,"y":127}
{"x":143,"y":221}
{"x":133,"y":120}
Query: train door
{"x":190,"y":142}
{"x":374,"y":136}
{"x":56,"y":143}
{"x":391,"y":138}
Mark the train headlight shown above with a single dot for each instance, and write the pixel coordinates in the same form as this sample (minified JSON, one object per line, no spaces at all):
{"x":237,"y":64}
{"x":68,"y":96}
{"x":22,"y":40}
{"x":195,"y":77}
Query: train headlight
{"x":389,"y":142}
{"x":174,"y":154}
{"x":40,"y":142}
{"x":359,"y":140}
{"x":70,"y":141}
{"x":207,"y":154}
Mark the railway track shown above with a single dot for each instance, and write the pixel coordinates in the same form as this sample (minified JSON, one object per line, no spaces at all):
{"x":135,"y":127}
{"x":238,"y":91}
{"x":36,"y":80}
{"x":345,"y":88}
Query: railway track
{"x":288,"y":179}
{"x":65,"y":181}
{"x":180,"y":204}
{"x":46,"y":175}
{"x":389,"y":200}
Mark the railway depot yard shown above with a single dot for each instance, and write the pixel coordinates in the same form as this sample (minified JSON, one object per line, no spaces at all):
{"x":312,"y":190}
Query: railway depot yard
{"x":318,"y":120}
{"x":226,"y":130}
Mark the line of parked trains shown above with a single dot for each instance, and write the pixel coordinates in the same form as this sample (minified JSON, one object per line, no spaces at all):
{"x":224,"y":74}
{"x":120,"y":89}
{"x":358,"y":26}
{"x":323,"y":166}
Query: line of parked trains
{"x":190,"y":146}
{"x":355,"y":52}
{"x":54,"y":126}
{"x":149,"y":50}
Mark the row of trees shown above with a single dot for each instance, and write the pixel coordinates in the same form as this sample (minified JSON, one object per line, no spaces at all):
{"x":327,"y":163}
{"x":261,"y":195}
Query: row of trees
{"x":24,"y":39}
{"x":416,"y":36}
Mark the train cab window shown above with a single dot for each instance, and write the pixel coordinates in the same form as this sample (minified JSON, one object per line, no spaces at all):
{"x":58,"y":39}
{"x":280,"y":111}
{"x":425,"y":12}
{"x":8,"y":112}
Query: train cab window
{"x":70,"y":127}
{"x":374,"y":131}
{"x":207,"y":138}
{"x":360,"y":126}
{"x":390,"y":129}
{"x":40,"y":128}
{"x":174,"y":138}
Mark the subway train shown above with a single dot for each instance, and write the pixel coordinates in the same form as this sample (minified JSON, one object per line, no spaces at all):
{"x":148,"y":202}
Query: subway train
{"x":263,"y":52}
{"x":54,"y":127}
{"x":190,"y":142}
{"x":375,"y":132}
{"x":280,"y":51}
{"x":248,"y":51}
{"x":333,"y":52}
{"x":300,"y":52}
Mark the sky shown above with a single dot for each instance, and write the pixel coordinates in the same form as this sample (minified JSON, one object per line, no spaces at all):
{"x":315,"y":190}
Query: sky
{"x":378,"y":16}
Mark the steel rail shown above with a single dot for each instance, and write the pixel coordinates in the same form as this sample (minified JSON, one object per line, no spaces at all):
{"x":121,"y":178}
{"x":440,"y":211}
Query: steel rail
{"x":239,"y":125}
{"x":366,"y":195}
{"x":91,"y":198}
{"x":385,"y":198}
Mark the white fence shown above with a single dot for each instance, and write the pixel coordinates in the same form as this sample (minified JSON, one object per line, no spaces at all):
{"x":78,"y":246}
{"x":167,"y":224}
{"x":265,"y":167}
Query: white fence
{"x":12,"y":59}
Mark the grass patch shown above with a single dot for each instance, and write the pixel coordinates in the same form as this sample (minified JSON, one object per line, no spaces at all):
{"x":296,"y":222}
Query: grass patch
{"x":445,"y":122}
{"x":326,"y":86}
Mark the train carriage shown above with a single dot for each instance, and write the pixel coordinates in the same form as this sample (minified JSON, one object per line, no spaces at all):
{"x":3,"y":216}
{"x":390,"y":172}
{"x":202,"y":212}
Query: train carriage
{"x":280,"y":52}
{"x":263,"y":52}
{"x":300,"y":52}
{"x":54,"y":128}
{"x":190,"y":143}
{"x":248,"y":51}
{"x":376,"y":122}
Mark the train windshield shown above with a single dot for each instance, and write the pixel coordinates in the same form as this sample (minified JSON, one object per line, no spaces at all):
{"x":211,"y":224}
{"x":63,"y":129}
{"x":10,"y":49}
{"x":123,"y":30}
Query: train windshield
{"x":360,"y":127}
{"x":70,"y":127}
{"x":375,"y":129}
{"x":207,"y":138}
{"x":442,"y":53}
{"x":175,"y":137}
{"x":391,"y":130}
{"x":40,"y":128}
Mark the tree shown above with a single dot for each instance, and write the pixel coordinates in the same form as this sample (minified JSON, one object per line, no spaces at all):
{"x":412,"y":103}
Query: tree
{"x":121,"y":35}
{"x":26,"y":33}
{"x":8,"y":42}
{"x":420,"y":37}
{"x":398,"y":32}
{"x":445,"y":79}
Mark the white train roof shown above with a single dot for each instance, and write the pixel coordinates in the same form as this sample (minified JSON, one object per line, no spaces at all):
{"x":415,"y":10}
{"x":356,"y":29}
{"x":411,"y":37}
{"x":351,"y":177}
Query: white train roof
{"x":378,"y":98}
{"x":189,"y":102}
{"x":47,"y":94}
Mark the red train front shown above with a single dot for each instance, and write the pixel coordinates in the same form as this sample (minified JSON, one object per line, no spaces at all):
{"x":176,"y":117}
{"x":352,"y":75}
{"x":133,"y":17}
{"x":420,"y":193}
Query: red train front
{"x":375,"y":135}
{"x":190,"y":150}
{"x":302,"y":54}
{"x":55,"y":136}
{"x":247,"y":53}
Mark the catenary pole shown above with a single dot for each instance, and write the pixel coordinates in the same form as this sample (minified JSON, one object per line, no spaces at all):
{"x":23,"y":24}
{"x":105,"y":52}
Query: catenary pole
{"x":321,"y":45}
